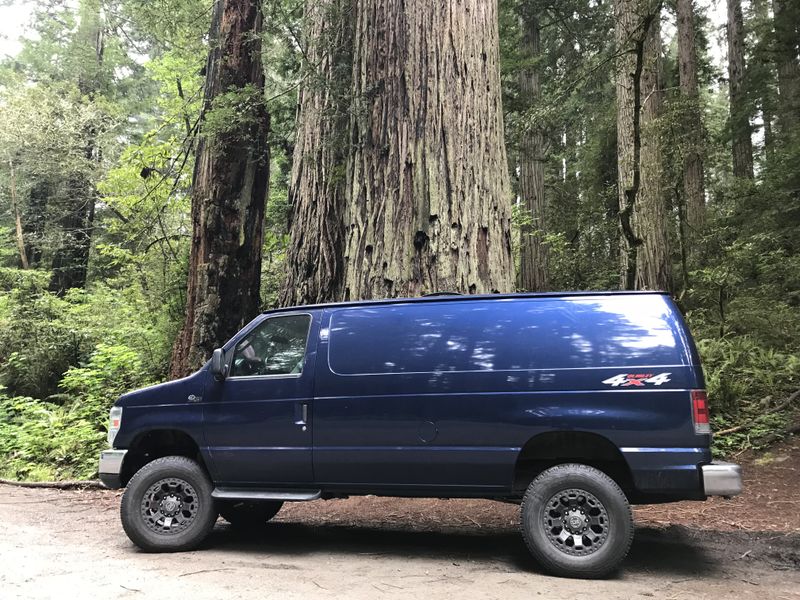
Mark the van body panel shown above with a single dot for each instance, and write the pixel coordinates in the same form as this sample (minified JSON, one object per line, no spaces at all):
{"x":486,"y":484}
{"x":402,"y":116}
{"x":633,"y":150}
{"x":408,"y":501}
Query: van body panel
{"x":253,"y":426}
{"x":445,"y":394}
{"x":438,"y":396}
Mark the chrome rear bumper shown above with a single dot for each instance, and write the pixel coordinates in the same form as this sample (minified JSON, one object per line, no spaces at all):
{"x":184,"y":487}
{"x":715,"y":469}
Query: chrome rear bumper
{"x":722,"y":479}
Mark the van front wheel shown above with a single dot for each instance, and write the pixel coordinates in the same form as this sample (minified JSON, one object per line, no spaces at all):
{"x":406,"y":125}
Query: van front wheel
{"x":167,"y":505}
{"x":576,"y":521}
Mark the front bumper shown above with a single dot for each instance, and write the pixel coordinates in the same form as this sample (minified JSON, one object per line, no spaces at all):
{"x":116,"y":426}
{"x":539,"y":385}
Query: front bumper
{"x":111,"y":467}
{"x":722,"y":479}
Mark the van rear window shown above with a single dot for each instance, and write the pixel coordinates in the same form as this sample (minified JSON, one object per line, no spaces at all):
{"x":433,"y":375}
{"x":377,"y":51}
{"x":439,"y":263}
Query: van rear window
{"x":506,"y":335}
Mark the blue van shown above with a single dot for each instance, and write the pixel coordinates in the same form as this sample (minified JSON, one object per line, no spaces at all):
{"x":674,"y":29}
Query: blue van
{"x":575,"y":405}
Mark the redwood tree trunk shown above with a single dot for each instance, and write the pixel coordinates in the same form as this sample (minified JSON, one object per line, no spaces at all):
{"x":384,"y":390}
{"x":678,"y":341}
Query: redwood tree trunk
{"x":742,"y":145}
{"x":533,"y":251}
{"x":231,"y":178}
{"x":787,"y":15}
{"x":646,"y":262}
{"x":315,"y":260}
{"x":693,"y":178}
{"x":429,"y":194}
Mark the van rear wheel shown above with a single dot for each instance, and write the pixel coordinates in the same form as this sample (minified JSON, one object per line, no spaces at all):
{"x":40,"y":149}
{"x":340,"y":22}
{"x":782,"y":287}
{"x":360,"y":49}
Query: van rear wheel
{"x":248,"y":514}
{"x":576,"y":521}
{"x":167,"y":505}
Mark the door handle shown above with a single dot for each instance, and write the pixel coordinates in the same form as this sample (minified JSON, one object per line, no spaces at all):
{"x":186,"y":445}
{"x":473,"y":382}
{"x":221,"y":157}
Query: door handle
{"x":303,"y":420}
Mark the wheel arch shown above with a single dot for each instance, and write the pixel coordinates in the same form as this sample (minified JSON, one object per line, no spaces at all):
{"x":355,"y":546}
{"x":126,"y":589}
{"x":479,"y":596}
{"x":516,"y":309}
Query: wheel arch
{"x":551,"y":448}
{"x":149,"y":445}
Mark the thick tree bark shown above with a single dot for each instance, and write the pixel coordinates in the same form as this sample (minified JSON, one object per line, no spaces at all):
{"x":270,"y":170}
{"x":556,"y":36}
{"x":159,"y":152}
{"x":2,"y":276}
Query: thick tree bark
{"x":317,"y":191}
{"x":742,"y":144}
{"x":429,"y":194}
{"x":533,"y":252}
{"x":231,"y":178}
{"x":646,"y":262}
{"x":693,"y":178}
{"x":787,"y":16}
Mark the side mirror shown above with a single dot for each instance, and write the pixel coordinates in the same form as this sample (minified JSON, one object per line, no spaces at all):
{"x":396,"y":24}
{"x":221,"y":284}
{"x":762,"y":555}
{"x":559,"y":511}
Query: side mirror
{"x":218,"y":364}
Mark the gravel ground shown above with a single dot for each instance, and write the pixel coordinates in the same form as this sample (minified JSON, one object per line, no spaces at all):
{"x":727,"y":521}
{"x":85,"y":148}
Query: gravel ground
{"x":69,"y":544}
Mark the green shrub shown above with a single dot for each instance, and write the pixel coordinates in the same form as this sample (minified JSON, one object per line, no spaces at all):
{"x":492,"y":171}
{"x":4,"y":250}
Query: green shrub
{"x":42,"y":439}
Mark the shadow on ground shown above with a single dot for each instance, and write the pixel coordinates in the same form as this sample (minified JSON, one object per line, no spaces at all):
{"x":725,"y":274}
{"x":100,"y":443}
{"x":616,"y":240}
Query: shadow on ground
{"x":671,"y":551}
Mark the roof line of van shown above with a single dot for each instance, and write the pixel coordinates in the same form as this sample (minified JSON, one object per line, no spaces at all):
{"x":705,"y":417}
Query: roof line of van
{"x":464,"y":297}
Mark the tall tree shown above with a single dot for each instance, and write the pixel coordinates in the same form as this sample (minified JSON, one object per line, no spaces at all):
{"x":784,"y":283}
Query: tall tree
{"x":230,"y":183}
{"x":787,"y":15}
{"x":693,"y":178}
{"x":317,"y":189}
{"x":742,"y":144}
{"x":71,"y":257}
{"x":646,"y":262}
{"x":533,"y":256}
{"x":429,"y":193}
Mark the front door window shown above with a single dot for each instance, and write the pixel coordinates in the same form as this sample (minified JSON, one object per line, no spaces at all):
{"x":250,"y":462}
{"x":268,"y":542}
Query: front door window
{"x":276,"y":347}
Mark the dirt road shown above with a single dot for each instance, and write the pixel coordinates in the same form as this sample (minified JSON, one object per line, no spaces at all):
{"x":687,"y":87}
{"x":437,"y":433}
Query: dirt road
{"x":71,"y":545}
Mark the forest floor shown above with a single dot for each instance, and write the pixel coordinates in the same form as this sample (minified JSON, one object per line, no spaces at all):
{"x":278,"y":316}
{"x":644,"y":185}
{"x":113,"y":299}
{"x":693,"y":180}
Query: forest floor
{"x":65,"y":544}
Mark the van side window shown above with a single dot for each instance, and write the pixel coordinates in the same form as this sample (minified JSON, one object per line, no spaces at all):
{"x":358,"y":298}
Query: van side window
{"x":276,"y":347}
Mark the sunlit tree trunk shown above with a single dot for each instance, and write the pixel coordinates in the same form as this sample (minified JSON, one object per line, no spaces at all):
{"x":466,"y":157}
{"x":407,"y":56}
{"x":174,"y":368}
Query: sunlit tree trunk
{"x":429,"y":193}
{"x":231,"y":179}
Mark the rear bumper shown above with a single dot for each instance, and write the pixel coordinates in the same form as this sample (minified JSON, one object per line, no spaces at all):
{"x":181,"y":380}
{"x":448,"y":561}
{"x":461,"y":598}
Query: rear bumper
{"x":110,"y":468}
{"x":722,"y":479}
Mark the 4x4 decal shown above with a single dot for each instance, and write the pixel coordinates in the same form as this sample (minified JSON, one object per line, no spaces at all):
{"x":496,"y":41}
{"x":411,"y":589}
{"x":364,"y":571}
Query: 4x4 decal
{"x":637,"y":379}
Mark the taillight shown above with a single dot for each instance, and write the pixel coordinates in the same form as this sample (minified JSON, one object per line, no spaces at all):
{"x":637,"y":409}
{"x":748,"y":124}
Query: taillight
{"x":700,"y":412}
{"x":115,"y":421}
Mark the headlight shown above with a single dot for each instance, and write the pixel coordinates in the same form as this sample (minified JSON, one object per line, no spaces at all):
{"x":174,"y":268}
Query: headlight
{"x":115,"y":420}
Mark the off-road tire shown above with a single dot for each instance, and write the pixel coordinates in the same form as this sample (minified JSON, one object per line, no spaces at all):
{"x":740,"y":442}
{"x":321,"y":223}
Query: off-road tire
{"x":552,"y":487}
{"x":243,"y":514}
{"x":142,"y":531}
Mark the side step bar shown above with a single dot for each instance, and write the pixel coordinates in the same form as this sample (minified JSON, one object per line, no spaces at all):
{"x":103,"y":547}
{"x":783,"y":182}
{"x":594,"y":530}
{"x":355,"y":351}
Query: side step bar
{"x":249,"y":494}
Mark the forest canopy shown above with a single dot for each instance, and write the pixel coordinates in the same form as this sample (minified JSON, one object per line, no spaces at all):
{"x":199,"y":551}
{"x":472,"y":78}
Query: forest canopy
{"x":170,"y":168}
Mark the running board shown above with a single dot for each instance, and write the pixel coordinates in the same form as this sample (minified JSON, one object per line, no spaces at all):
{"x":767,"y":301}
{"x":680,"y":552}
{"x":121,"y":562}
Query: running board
{"x":249,"y":494}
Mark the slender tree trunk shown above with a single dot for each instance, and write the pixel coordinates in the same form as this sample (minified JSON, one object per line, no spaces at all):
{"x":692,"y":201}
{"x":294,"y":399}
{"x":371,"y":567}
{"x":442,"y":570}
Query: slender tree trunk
{"x":693,"y":178}
{"x":742,"y":145}
{"x":533,"y":251}
{"x":429,"y":194}
{"x":787,"y":16}
{"x":23,"y":256}
{"x":317,"y":191}
{"x":231,"y":179}
{"x":646,"y":262}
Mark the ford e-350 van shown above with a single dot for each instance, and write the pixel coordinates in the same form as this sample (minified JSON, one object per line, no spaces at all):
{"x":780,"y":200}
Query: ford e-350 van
{"x":575,"y":405}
